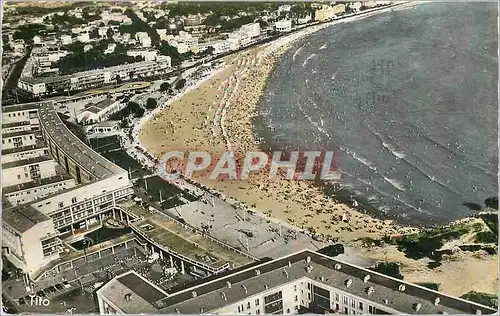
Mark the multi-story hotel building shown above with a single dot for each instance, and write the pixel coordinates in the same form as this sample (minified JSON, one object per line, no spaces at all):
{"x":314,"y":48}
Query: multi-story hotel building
{"x":40,"y":86}
{"x":58,"y":186}
{"x":302,"y":282}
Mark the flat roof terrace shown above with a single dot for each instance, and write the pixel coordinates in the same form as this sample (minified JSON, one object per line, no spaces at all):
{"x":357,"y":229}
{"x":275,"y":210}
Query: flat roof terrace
{"x":171,"y":235}
{"x":91,"y":161}
{"x":25,"y":162}
{"x":22,"y":218}
{"x":35,"y":184}
{"x":16,"y":150}
{"x":22,"y":133}
{"x":22,"y":107}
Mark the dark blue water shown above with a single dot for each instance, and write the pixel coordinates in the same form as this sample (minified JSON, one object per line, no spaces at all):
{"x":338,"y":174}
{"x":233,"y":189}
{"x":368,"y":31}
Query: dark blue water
{"x":408,"y":98}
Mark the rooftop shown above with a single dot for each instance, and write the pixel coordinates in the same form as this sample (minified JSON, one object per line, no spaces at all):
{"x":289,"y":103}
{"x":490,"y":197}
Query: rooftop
{"x":15,"y":150}
{"x":22,"y":218}
{"x":21,"y":107}
{"x":88,"y":159}
{"x":21,"y":133}
{"x":322,"y":269}
{"x":99,"y":106}
{"x":25,"y":162}
{"x":15,"y":124}
{"x":34,"y":184}
{"x":52,"y":79}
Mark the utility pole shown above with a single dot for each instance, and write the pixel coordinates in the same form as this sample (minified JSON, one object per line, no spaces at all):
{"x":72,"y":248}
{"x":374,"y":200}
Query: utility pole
{"x":161,"y":200}
{"x":146,"y":183}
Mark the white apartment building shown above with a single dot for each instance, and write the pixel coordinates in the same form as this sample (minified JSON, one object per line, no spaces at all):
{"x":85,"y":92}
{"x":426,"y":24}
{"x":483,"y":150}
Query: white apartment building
{"x":93,"y":113}
{"x":27,"y":170}
{"x":147,"y":55}
{"x":220,"y":47}
{"x":29,"y":240}
{"x":304,"y":282}
{"x":92,"y":78}
{"x":66,"y":39}
{"x":103,"y":129}
{"x":84,"y":37}
{"x":79,"y":188}
{"x":283,"y":26}
{"x":252,"y":30}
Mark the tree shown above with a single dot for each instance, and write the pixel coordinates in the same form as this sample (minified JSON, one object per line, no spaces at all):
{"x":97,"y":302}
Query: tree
{"x":180,"y":84}
{"x":165,"y":86}
{"x":388,"y":268}
{"x":151,"y":104}
{"x":109,"y":34}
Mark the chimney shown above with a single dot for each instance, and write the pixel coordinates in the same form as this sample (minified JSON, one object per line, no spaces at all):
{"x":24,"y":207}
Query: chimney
{"x":266,"y":286}
{"x":418,"y":306}
{"x":285,"y":273}
{"x":386,"y":301}
{"x":201,"y":310}
{"x":322,"y":278}
{"x":193,"y":294}
{"x":402,"y":287}
{"x":289,"y":264}
{"x":348,"y":283}
{"x":228,"y":284}
{"x":177,"y":311}
{"x":436,"y":301}
{"x":308,"y":259}
{"x":223,"y":295}
{"x":244,"y":288}
{"x":128,"y":297}
{"x":257,"y":272}
{"x":309,"y":269}
{"x":337,"y":266}
{"x":478,"y":312}
{"x":366,"y":278}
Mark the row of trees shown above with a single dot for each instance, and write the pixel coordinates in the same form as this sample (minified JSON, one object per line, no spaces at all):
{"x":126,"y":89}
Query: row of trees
{"x":132,"y":109}
{"x":139,"y":25}
{"x":79,"y":60}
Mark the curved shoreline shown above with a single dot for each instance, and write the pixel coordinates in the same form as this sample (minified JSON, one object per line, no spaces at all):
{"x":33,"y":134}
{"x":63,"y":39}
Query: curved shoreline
{"x":243,"y":79}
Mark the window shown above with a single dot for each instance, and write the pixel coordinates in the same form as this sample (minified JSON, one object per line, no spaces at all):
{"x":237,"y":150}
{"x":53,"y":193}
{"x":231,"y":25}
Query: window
{"x":346,"y":311}
{"x":309,"y":296}
{"x":296,"y":298}
{"x":248,"y":305}
{"x":239,"y":309}
{"x":295,"y":287}
{"x":353,"y":303}
{"x":31,"y":136}
{"x":370,"y":309}
{"x":337,"y":297}
{"x":25,"y":175}
{"x":361,"y":305}
{"x":344,"y":300}
{"x":288,"y":311}
{"x":73,"y":200}
{"x":258,"y":312}
{"x":61,"y":204}
{"x":3,"y":141}
{"x":257,"y":301}
{"x":308,"y":286}
{"x":18,"y":176}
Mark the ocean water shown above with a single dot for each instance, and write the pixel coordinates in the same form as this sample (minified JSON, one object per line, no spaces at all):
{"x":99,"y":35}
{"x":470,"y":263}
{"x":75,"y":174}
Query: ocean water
{"x":407,"y":98}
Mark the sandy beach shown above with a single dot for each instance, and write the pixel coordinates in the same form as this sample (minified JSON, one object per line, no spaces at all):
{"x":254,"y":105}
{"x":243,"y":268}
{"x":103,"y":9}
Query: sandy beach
{"x":217,"y":117}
